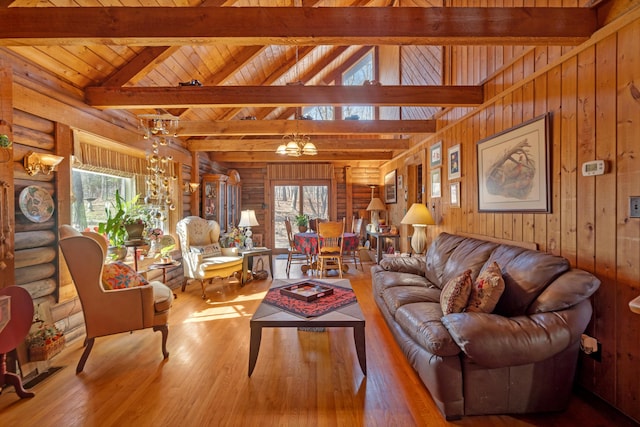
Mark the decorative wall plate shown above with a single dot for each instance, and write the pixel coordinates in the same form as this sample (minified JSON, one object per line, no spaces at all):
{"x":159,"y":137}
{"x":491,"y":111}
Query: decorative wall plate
{"x":36,"y":203}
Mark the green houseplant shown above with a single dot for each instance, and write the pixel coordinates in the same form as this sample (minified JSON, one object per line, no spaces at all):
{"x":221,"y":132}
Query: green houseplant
{"x":302,"y":221}
{"x":121,"y":215}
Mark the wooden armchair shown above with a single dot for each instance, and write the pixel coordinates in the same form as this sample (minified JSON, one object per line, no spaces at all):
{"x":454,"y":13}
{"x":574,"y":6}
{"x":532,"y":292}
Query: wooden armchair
{"x":108,"y":312}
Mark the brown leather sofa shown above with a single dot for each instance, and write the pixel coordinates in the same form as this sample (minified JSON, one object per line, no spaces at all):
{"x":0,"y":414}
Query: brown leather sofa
{"x":520,"y":358}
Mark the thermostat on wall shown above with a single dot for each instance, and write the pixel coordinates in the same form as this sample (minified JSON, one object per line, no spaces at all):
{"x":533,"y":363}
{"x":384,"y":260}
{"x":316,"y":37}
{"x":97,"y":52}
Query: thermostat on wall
{"x":594,"y":167}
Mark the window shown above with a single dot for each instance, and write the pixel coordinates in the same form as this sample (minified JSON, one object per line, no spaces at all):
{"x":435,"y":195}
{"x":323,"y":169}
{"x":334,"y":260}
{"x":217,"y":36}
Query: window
{"x":361,"y":72}
{"x":292,"y":199}
{"x":92,"y":192}
{"x":318,"y":112}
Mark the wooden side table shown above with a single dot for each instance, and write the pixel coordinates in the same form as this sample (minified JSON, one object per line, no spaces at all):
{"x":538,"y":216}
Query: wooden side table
{"x":164,"y":267}
{"x":249,"y":254}
{"x":379,"y":238}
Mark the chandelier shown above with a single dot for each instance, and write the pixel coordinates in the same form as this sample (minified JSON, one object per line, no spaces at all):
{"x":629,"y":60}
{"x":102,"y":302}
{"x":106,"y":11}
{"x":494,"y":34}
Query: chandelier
{"x":296,"y":145}
{"x":158,"y":125}
{"x":160,"y":168}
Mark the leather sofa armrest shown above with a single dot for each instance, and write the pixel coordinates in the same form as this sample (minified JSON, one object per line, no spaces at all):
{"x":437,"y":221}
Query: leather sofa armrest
{"x":494,"y":341}
{"x":404,"y":265}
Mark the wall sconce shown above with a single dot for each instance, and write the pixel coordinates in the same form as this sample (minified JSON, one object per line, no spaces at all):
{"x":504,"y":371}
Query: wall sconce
{"x":191,"y":187}
{"x":41,"y":162}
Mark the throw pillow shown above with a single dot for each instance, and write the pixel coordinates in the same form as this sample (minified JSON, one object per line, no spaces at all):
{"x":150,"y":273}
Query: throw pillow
{"x":455,"y":294}
{"x":118,"y":275}
{"x":486,"y":290}
{"x":209,"y":250}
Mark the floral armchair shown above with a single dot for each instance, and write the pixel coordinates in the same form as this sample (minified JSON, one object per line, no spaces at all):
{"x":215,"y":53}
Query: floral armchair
{"x":202,"y":256}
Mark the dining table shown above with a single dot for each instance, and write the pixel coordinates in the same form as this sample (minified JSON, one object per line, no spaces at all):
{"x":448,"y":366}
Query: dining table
{"x":307,"y":243}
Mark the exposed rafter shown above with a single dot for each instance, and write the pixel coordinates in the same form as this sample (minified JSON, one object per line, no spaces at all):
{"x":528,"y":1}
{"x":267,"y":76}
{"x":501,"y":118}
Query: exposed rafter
{"x":170,"y":26}
{"x":325,"y":144}
{"x":281,"y":96}
{"x":307,"y":127}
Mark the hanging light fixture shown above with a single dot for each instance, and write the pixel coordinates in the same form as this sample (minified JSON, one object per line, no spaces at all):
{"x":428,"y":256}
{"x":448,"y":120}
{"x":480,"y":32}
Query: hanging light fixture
{"x":156,"y":128}
{"x":296,"y":144}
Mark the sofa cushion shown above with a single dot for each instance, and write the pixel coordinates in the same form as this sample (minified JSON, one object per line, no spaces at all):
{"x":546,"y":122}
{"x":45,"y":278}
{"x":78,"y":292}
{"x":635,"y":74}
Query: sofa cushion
{"x":404,"y":265}
{"x":526,"y":273}
{"x":118,"y":275}
{"x":471,"y":254}
{"x":486,"y":290}
{"x":397,"y":296}
{"x":455,"y":294}
{"x":437,"y":256}
{"x":566,"y":291}
{"x":389,"y":279}
{"x":422,"y":322}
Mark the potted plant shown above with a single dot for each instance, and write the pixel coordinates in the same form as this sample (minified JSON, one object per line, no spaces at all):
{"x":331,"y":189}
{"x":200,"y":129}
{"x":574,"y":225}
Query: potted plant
{"x":302,"y":221}
{"x":120,"y":216}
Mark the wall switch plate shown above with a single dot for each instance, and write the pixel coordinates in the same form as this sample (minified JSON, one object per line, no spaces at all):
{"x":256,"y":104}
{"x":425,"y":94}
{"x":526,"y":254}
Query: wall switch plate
{"x":634,"y":207}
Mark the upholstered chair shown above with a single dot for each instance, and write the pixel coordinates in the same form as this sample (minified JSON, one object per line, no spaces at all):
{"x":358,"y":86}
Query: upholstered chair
{"x":108,"y":312}
{"x":202,"y":257}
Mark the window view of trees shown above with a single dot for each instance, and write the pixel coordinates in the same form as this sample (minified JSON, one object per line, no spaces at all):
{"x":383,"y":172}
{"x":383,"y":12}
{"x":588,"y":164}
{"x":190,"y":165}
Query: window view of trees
{"x":91,"y":193}
{"x":357,"y":75}
{"x":291,"y":200}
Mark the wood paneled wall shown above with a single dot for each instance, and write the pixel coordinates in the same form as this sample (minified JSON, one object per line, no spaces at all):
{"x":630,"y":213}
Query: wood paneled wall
{"x":593,"y":95}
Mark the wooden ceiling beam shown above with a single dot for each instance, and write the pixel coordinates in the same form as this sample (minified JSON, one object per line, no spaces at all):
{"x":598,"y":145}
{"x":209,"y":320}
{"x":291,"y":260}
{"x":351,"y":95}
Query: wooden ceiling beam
{"x":281,"y":96}
{"x":323,"y":144}
{"x":187,"y":26}
{"x":306,"y":127}
{"x":261,"y":156}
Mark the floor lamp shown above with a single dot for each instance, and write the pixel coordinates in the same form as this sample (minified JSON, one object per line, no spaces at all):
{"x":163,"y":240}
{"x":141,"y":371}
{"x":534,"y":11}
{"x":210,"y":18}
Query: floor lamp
{"x":418,"y":216}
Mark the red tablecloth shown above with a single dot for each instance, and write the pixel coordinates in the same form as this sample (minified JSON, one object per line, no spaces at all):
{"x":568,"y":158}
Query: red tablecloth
{"x":308,"y":242}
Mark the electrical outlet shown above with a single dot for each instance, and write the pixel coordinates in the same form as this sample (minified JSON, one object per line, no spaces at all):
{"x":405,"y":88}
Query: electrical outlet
{"x":591,"y":347}
{"x":634,"y":207}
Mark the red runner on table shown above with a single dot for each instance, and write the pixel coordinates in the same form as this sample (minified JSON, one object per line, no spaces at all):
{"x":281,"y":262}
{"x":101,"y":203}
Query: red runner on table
{"x":341,"y":297}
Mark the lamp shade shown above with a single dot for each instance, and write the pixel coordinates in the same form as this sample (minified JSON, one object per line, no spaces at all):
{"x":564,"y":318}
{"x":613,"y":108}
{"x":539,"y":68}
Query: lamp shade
{"x":418,"y":214}
{"x":376,"y":205}
{"x":248,"y":219}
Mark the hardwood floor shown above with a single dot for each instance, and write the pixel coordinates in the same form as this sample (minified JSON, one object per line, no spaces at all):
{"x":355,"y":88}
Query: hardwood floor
{"x":301,"y":378}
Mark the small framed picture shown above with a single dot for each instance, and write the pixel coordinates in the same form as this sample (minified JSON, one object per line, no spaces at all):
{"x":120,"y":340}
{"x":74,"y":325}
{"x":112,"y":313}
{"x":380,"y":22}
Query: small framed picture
{"x":454,"y":162}
{"x":436,"y":180}
{"x":454,"y":193}
{"x":435,"y":155}
{"x":391,"y":187}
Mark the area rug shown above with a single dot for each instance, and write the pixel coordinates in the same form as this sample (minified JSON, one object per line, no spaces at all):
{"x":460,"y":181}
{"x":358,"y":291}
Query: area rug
{"x":341,"y":297}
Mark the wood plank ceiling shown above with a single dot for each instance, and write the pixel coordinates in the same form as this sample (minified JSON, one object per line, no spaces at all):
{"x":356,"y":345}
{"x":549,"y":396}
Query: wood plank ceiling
{"x":134,"y":58}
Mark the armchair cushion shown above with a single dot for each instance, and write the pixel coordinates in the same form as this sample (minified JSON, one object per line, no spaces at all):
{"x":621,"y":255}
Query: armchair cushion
{"x":118,"y":275}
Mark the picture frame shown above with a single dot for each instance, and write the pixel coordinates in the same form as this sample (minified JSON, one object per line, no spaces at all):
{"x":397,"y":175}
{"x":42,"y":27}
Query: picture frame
{"x":436,"y":183}
{"x":514,"y":169}
{"x":391,"y":187}
{"x":454,"y":194}
{"x":454,"y":162}
{"x":435,"y":155}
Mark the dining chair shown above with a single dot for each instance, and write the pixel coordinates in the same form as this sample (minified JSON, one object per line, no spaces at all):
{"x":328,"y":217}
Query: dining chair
{"x":293,"y":254}
{"x":330,"y":244}
{"x":356,"y":228}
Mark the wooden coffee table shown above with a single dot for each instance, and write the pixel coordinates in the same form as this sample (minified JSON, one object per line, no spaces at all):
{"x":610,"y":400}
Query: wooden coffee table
{"x":269,"y":316}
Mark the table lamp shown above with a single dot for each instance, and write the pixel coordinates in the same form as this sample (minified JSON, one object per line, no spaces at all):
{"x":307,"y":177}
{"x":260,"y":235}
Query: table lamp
{"x":248,"y":220}
{"x":418,"y":216}
{"x":375,"y":206}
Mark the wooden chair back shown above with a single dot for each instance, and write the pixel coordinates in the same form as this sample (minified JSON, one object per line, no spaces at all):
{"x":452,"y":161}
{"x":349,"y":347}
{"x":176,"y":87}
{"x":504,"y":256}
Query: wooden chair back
{"x":329,"y":237}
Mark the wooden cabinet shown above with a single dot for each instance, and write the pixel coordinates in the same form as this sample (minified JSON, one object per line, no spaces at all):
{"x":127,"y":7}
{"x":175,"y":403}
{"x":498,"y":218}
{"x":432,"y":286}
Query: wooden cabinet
{"x":221,"y":199}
